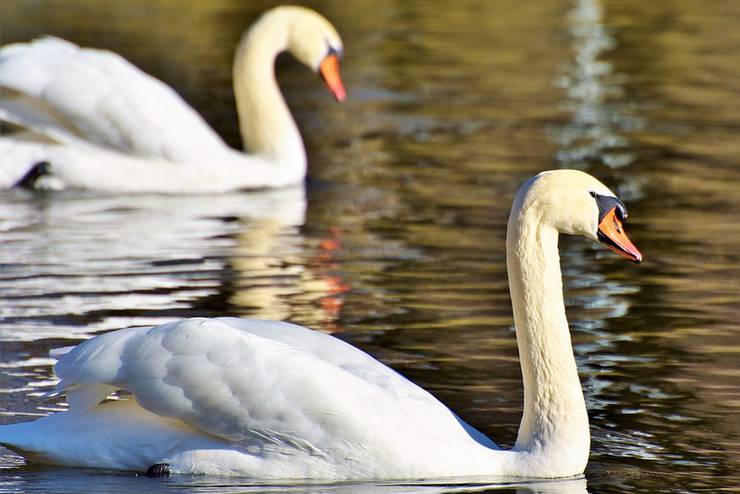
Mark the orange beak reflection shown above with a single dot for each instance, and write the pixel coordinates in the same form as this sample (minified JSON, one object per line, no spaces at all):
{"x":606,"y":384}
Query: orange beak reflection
{"x":611,"y":233}
{"x":329,"y":70}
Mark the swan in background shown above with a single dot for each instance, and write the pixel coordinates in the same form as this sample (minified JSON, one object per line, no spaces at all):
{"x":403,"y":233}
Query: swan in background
{"x":273,"y":400}
{"x":93,"y":120}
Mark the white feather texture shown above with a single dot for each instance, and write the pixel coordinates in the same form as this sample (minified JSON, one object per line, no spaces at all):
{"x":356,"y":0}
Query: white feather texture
{"x":274,"y":400}
{"x":102,"y":123}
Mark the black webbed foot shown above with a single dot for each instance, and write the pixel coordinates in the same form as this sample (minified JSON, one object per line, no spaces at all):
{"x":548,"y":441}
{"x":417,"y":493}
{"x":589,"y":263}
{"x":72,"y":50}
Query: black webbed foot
{"x":159,"y":470}
{"x":37,"y":171}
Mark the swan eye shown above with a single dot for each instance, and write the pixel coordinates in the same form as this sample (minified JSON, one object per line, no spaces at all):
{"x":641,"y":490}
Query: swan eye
{"x":333,"y":51}
{"x":607,"y":203}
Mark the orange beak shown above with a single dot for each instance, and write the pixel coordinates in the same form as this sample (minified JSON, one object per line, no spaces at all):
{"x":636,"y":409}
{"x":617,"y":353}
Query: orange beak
{"x":611,"y":233}
{"x":329,"y":70}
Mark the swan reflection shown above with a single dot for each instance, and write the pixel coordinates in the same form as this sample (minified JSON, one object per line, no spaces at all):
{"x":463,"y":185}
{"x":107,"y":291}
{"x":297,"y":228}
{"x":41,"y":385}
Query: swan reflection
{"x":61,"y":481}
{"x":74,"y":264}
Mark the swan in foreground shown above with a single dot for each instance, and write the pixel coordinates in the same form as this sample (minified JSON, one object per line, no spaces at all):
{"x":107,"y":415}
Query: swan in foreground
{"x":273,"y":400}
{"x":93,"y":120}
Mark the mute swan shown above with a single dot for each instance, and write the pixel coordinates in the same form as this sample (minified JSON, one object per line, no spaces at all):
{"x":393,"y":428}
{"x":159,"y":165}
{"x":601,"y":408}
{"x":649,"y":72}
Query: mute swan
{"x":98,"y":122}
{"x":273,"y":400}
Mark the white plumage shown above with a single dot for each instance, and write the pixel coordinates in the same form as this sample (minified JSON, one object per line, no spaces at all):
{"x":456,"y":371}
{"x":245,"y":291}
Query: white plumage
{"x":102,"y":123}
{"x":274,"y":400}
{"x":70,"y":93}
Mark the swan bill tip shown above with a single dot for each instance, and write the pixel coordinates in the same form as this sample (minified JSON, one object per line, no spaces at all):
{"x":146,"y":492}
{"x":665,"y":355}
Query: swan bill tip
{"x":329,"y":70}
{"x":612,"y":234}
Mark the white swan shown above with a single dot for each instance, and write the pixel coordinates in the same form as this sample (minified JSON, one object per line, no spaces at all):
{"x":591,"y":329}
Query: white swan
{"x":101,"y":123}
{"x":274,"y":400}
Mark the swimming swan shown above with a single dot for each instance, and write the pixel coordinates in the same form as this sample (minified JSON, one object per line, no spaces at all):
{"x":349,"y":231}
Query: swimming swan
{"x":273,"y":400}
{"x":98,"y":122}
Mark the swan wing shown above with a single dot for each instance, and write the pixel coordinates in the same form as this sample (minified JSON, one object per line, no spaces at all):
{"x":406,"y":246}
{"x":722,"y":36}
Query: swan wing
{"x":257,"y":383}
{"x":74,"y":95}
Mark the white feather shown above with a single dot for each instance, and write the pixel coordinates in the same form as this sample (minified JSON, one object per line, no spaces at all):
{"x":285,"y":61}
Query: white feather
{"x":274,"y":400}
{"x":62,"y":89}
{"x":117,"y":128}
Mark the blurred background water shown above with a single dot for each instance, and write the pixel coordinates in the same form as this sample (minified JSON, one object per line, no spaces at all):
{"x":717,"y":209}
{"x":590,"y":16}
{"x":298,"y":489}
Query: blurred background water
{"x":396,"y":244}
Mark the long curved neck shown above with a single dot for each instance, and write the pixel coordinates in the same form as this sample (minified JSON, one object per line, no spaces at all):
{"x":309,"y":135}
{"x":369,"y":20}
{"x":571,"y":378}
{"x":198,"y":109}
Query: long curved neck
{"x":555,"y":423}
{"x":265,"y":122}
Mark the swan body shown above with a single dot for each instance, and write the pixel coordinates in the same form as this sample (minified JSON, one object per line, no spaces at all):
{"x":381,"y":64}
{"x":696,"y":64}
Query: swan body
{"x":274,"y":400}
{"x":101,"y":123}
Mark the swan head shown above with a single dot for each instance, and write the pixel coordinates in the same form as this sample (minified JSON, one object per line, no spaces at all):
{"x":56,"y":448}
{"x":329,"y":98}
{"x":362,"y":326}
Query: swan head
{"x":315,"y":43}
{"x":575,"y":203}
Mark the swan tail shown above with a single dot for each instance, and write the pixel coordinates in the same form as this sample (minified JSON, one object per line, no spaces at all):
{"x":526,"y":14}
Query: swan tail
{"x":26,"y":72}
{"x":57,"y":353}
{"x":82,"y":397}
{"x":59,"y":389}
{"x":37,"y":118}
{"x":20,"y":439}
{"x":117,"y":434}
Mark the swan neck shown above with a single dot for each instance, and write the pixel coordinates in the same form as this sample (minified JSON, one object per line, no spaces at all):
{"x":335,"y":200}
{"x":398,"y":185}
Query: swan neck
{"x":265,"y":122}
{"x":554,"y":424}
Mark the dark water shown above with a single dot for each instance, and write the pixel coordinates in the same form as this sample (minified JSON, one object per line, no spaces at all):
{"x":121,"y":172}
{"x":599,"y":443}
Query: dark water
{"x":397,"y":242}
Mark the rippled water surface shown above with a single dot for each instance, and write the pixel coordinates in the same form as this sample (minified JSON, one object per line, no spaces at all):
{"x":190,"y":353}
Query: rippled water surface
{"x":396,"y":244}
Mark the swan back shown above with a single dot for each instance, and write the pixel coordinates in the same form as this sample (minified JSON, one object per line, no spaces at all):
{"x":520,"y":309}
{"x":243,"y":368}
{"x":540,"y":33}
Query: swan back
{"x":74,"y":95}
{"x":270,"y":387}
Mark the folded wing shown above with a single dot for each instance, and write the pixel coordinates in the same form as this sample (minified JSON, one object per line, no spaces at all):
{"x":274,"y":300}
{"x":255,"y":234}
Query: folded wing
{"x":87,"y":96}
{"x":261,"y":384}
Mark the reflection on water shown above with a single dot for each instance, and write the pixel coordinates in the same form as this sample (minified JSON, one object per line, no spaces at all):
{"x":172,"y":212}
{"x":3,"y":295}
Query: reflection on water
{"x":594,"y":137}
{"x":601,"y":116}
{"x":397,"y":244}
{"x":73,"y":259}
{"x":64,"y":481}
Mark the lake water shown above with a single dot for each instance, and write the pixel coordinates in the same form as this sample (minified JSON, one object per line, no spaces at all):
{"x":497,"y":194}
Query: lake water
{"x":396,"y":243}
